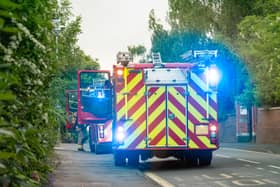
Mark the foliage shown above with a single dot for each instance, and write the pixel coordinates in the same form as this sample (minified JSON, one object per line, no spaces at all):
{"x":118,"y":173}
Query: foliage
{"x":177,"y":45}
{"x":259,"y":45}
{"x":244,"y":32}
{"x":137,"y":50}
{"x":31,"y":74}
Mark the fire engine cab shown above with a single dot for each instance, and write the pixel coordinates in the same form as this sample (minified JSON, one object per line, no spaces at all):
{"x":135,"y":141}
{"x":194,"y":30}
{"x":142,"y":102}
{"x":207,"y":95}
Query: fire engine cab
{"x":163,"y":109}
{"x":95,"y":98}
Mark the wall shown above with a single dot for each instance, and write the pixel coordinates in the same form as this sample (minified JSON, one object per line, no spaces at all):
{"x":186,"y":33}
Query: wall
{"x":268,"y":125}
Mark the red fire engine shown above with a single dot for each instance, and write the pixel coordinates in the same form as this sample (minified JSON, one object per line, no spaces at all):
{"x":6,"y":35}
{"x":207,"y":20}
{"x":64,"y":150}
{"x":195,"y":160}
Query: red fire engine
{"x":162,"y":110}
{"x":95,"y":108}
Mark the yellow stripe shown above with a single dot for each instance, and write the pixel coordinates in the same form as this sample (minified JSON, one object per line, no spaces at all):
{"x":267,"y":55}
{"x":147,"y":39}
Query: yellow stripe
{"x":192,"y":145}
{"x":134,"y":81}
{"x":177,"y":112}
{"x":160,"y":125}
{"x":131,"y":137}
{"x":202,"y":102}
{"x":179,"y":133}
{"x":121,"y":111}
{"x":171,"y":142}
{"x":141,"y":145}
{"x":136,"y":114}
{"x":180,"y":98}
{"x":196,"y":114}
{"x":134,"y":100}
{"x":190,"y":126}
{"x":160,"y":108}
{"x":205,"y":140}
{"x":154,"y":97}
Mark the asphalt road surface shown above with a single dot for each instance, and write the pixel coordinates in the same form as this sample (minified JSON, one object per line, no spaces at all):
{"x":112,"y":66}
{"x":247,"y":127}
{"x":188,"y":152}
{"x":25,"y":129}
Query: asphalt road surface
{"x":230,"y":167}
{"x":85,"y":169}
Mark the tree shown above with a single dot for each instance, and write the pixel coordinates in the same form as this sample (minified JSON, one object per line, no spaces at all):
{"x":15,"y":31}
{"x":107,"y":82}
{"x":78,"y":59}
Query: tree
{"x":29,"y":69}
{"x":259,"y":44}
{"x":138,"y":50}
{"x":242,"y":26}
{"x":190,"y":36}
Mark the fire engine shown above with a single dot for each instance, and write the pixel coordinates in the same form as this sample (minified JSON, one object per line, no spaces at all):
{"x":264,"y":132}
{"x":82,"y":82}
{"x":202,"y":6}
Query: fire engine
{"x":164,"y":109}
{"x":95,"y":101}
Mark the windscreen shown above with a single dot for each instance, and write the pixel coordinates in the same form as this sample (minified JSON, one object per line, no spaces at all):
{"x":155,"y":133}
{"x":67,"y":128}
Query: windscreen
{"x":96,"y":93}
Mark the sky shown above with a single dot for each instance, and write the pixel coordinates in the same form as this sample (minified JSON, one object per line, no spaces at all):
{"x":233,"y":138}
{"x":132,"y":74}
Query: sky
{"x":110,"y":26}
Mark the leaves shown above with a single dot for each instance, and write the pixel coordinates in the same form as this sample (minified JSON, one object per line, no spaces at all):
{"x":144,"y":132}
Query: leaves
{"x":259,"y":43}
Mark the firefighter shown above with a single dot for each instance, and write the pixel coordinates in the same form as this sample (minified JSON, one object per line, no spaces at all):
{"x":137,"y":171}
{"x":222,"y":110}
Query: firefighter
{"x":82,"y":136}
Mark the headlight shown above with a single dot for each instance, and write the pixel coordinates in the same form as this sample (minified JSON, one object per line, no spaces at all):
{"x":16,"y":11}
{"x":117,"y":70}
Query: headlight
{"x":120,"y":134}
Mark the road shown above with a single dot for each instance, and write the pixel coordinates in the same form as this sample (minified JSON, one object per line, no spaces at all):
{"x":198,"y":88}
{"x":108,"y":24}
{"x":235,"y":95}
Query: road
{"x":84,"y":169}
{"x":230,"y":167}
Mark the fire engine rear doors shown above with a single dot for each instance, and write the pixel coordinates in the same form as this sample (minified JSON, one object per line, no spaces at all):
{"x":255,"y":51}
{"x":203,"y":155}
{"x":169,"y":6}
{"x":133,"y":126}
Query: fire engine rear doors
{"x":166,"y":108}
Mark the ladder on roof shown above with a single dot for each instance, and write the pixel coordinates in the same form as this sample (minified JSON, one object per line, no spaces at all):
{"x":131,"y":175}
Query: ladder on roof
{"x":156,"y":58}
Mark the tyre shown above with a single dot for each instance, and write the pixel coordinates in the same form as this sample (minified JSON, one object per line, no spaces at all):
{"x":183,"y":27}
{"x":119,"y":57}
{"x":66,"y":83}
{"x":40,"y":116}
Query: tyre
{"x":205,"y":158}
{"x":133,"y":160}
{"x":191,"y":158}
{"x":98,"y":149}
{"x":91,"y":140}
{"x":119,"y":158}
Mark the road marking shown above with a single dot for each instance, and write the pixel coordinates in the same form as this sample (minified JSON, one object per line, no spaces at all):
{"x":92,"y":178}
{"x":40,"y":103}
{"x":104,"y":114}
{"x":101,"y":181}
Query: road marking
{"x":247,"y":182}
{"x":269,"y":181}
{"x":247,"y":151}
{"x":274,"y":172}
{"x":162,"y":182}
{"x":247,"y":165}
{"x":224,"y":176}
{"x":220,"y":183}
{"x":250,"y":161}
{"x":222,"y":156}
{"x":272,"y":166}
{"x":179,"y":179}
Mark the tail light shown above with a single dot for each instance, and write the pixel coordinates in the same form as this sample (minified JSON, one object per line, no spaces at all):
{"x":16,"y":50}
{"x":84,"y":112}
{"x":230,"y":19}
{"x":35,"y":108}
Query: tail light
{"x":213,"y":128}
{"x":101,"y":131}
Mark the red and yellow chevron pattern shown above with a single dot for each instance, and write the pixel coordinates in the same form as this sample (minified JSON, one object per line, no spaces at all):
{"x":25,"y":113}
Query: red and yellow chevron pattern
{"x":197,"y":111}
{"x":161,"y":116}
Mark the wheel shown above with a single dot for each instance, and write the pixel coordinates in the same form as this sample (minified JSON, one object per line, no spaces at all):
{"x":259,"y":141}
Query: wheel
{"x":91,"y":147}
{"x":91,"y":140}
{"x":190,"y":158}
{"x":205,"y":158}
{"x":98,"y":149}
{"x":119,"y":158}
{"x":133,"y":160}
